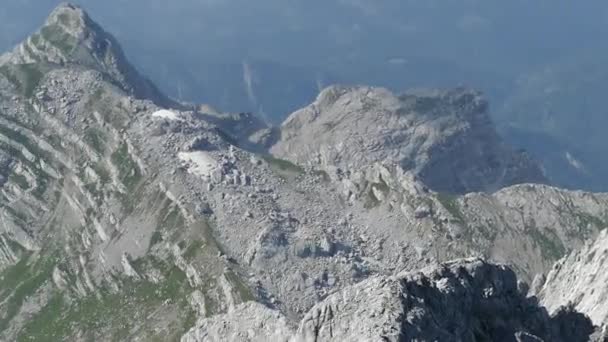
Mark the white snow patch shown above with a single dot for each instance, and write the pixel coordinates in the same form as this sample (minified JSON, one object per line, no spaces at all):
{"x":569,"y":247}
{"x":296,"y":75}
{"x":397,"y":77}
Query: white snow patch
{"x":199,"y":163}
{"x":166,"y":114}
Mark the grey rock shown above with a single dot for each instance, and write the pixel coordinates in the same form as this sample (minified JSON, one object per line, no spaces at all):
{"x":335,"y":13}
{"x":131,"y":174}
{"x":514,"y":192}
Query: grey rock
{"x":463,"y":300}
{"x":427,"y":133}
{"x":580,"y":280}
{"x":249,"y":322}
{"x":70,"y":36}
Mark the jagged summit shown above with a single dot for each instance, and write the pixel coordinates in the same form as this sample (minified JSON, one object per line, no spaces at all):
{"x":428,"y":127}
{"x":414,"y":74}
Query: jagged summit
{"x":70,"y":36}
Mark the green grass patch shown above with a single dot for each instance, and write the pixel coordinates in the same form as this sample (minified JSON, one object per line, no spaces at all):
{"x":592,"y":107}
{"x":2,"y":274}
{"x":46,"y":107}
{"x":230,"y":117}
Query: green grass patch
{"x":585,"y":221}
{"x":65,"y":19}
{"x":102,"y":173}
{"x":55,"y":141}
{"x":115,"y":316}
{"x":20,"y":281}
{"x":35,"y":39}
{"x":57,"y":37}
{"x":129,"y":172}
{"x":450,"y":203}
{"x":95,"y":138}
{"x":16,"y":214}
{"x":549,"y":243}
{"x":227,"y":137}
{"x":282,"y":164}
{"x":20,"y":180}
{"x":283,"y":168}
{"x":157,"y":237}
{"x":26,"y":77}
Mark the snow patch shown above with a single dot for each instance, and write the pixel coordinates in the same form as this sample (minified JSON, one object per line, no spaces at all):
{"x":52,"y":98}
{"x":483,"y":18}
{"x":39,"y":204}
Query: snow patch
{"x":199,"y":163}
{"x":166,"y":114}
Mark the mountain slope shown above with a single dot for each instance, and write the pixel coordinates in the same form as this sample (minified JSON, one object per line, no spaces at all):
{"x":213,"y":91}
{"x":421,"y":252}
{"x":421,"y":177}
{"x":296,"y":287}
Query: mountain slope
{"x":109,"y":201}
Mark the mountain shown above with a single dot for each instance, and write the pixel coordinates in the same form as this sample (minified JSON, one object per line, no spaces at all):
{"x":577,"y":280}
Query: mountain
{"x":551,"y":70}
{"x":69,"y":36}
{"x":428,"y":132}
{"x":126,"y":217}
{"x":557,"y":113}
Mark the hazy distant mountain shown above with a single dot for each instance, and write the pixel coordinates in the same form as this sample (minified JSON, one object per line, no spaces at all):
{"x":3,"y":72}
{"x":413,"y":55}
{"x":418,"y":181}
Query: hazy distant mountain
{"x":559,"y":115}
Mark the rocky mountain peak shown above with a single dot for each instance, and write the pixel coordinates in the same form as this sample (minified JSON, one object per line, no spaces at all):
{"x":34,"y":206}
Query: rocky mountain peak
{"x":72,"y":18}
{"x":70,"y":37}
{"x":423,"y":131}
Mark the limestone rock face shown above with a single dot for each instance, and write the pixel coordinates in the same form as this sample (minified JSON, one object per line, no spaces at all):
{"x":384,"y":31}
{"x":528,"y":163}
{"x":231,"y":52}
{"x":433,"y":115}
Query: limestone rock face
{"x":70,"y":36}
{"x":463,"y":300}
{"x":581,"y":281}
{"x":444,"y":137}
{"x":249,"y":322}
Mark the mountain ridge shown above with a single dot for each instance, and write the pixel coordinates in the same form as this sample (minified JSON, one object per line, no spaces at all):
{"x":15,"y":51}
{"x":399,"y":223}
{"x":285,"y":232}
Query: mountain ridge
{"x":108,"y":200}
{"x":70,"y":36}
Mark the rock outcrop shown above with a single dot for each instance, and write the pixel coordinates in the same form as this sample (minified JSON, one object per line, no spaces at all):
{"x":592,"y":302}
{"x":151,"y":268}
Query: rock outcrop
{"x":581,"y":281}
{"x":69,"y":36}
{"x":463,"y":300}
{"x":444,"y":137}
{"x":249,"y":322}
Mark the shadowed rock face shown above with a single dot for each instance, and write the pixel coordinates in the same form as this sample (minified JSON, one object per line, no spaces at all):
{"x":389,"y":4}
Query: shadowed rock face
{"x":463,"y":300}
{"x":445,"y":137}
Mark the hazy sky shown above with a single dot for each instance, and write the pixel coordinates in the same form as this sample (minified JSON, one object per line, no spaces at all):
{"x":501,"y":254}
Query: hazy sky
{"x":513,"y":33}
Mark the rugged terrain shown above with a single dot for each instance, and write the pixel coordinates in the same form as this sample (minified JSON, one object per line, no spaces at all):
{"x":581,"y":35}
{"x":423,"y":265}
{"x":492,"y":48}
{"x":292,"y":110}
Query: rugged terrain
{"x":465,"y":300}
{"x":580,"y":280}
{"x":114,"y":196}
